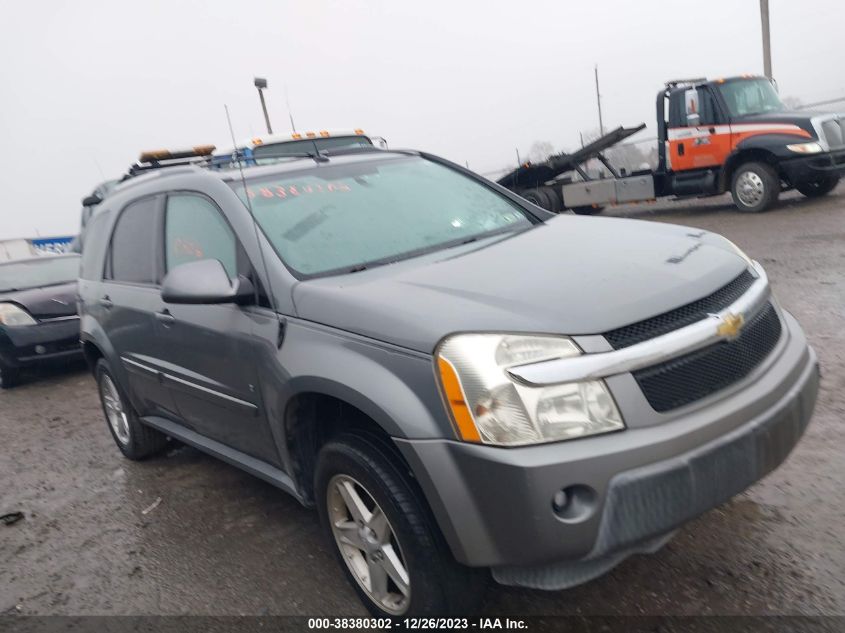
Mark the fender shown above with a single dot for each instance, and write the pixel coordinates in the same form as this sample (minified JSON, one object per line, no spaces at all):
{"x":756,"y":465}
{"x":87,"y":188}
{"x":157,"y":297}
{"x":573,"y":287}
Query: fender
{"x":387,"y":383}
{"x":768,"y":148}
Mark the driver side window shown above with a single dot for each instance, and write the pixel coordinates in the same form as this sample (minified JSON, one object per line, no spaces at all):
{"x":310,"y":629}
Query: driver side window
{"x":194,"y":229}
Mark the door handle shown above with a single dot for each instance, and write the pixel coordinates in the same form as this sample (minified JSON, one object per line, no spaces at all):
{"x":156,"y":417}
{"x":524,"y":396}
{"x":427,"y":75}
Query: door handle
{"x":106,"y":302}
{"x":165,"y":318}
{"x":680,"y":149}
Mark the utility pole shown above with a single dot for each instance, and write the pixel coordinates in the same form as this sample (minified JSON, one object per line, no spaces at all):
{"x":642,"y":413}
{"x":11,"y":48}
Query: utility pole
{"x":767,"y":47}
{"x":261,"y":84}
{"x":598,"y":99}
{"x":290,"y":112}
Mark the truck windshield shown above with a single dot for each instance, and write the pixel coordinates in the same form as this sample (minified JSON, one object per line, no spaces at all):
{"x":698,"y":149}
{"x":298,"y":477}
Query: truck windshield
{"x":750,"y":96}
{"x":36,"y":273}
{"x":279,"y":150}
{"x":339,"y":218}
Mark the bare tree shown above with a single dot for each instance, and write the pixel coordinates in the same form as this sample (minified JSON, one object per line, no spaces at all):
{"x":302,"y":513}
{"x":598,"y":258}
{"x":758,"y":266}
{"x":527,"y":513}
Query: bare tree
{"x":540,"y":151}
{"x":793,"y":103}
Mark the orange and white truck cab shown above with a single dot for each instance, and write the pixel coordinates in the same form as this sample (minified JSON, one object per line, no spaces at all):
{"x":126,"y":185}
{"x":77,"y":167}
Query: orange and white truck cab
{"x":736,"y":135}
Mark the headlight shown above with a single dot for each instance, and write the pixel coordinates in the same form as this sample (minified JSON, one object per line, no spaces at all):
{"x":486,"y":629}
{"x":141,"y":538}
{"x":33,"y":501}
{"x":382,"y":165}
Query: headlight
{"x":490,"y":407}
{"x":806,"y":148}
{"x":10,"y":314}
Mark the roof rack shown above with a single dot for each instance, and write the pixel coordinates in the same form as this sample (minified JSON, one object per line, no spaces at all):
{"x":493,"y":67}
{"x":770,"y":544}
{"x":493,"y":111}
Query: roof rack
{"x":157,"y":159}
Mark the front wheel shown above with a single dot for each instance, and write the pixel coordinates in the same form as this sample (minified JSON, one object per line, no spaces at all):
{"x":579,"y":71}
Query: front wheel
{"x":818,"y":188}
{"x":383,"y":536}
{"x":9,"y":376}
{"x":754,"y":187}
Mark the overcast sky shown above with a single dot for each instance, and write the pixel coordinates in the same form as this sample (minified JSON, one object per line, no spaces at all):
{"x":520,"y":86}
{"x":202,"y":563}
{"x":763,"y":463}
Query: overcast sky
{"x":85,"y":85}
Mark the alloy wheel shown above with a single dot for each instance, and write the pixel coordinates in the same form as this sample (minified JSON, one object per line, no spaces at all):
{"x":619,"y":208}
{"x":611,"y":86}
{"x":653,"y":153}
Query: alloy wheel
{"x":368,"y":544}
{"x":114,"y":410}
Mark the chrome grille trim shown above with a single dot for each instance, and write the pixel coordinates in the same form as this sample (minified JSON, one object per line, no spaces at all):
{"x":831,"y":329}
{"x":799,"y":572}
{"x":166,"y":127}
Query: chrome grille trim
{"x":657,"y":350}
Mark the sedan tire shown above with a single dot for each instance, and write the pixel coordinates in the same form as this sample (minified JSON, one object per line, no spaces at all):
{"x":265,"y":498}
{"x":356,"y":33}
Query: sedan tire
{"x":9,"y":376}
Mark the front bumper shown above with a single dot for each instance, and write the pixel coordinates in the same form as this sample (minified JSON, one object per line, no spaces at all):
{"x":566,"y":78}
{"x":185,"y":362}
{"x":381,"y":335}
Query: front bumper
{"x":494,"y":505}
{"x":47,"y":341}
{"x":812,"y":167}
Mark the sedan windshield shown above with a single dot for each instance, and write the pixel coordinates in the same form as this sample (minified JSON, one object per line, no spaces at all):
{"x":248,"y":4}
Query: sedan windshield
{"x":345,"y":217}
{"x":35,"y":273}
{"x":750,"y":96}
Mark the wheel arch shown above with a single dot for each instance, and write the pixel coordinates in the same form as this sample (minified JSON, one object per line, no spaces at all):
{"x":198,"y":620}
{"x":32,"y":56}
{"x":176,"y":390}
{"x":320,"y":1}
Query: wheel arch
{"x":746,"y":155}
{"x":322,"y":410}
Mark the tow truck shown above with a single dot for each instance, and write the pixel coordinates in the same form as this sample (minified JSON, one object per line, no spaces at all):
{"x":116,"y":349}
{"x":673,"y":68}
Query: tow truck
{"x":713,"y":136}
{"x":261,"y":149}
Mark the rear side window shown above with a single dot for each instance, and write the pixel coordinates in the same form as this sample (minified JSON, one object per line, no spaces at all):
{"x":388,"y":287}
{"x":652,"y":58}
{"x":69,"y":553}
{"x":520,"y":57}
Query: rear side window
{"x":194,"y":230}
{"x":133,"y":244}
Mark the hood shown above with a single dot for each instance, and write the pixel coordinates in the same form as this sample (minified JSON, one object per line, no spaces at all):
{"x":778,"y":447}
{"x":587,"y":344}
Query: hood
{"x":571,"y":275}
{"x":800,"y":118}
{"x":48,"y":302}
{"x":805,"y":119}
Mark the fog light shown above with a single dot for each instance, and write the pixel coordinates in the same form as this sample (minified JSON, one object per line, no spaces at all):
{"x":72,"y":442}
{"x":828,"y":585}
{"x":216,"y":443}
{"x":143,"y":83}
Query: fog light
{"x":574,"y":503}
{"x":40,"y":349}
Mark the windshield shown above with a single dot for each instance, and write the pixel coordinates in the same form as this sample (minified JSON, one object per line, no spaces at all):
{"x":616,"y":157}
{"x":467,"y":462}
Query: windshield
{"x":750,"y":96}
{"x":278,"y":150}
{"x":34,"y":273}
{"x":340,"y":218}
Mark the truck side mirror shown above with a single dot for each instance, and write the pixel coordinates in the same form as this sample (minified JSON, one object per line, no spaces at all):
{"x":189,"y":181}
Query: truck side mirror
{"x":91,"y":201}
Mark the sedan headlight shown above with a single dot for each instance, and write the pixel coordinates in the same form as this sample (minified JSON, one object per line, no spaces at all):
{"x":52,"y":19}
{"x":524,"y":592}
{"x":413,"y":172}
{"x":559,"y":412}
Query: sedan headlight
{"x":806,"y":148}
{"x":488,"y":406}
{"x":10,"y":314}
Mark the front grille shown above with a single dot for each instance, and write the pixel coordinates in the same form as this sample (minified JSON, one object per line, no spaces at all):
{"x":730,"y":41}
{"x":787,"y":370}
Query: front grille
{"x":693,"y":376}
{"x":680,"y":317}
{"x":834,"y":132}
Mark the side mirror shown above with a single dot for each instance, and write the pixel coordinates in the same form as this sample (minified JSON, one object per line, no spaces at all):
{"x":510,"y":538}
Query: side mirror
{"x":382,"y":142}
{"x":91,"y":201}
{"x":205,"y":282}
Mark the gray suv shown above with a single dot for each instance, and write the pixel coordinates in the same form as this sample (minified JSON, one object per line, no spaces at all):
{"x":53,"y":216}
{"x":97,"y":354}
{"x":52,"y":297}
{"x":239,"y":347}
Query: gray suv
{"x":460,"y":383}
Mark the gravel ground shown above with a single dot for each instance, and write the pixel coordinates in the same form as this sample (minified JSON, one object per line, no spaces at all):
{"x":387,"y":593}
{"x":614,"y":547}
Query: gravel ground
{"x":222,"y":542}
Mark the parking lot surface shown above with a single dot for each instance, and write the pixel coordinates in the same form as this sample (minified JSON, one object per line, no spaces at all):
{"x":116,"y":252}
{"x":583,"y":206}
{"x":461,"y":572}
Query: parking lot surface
{"x":187,"y":534}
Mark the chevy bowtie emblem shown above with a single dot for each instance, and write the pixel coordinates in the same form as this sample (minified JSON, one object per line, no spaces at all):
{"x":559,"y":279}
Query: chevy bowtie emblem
{"x":730,"y":326}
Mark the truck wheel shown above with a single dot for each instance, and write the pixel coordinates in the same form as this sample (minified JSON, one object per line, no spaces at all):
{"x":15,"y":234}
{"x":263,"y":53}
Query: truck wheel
{"x":538,"y":197}
{"x":754,"y":187}
{"x":555,"y":203}
{"x":587,"y":210}
{"x":9,"y":376}
{"x":384,"y":537}
{"x":134,"y":439}
{"x":818,"y":188}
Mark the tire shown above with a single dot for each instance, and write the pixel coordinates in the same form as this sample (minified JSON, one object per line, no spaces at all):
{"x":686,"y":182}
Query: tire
{"x":587,"y":210}
{"x":538,"y":197}
{"x":437,"y":585}
{"x":134,"y":439}
{"x":818,"y":188}
{"x":553,"y":198}
{"x":9,"y":376}
{"x":754,"y":187}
